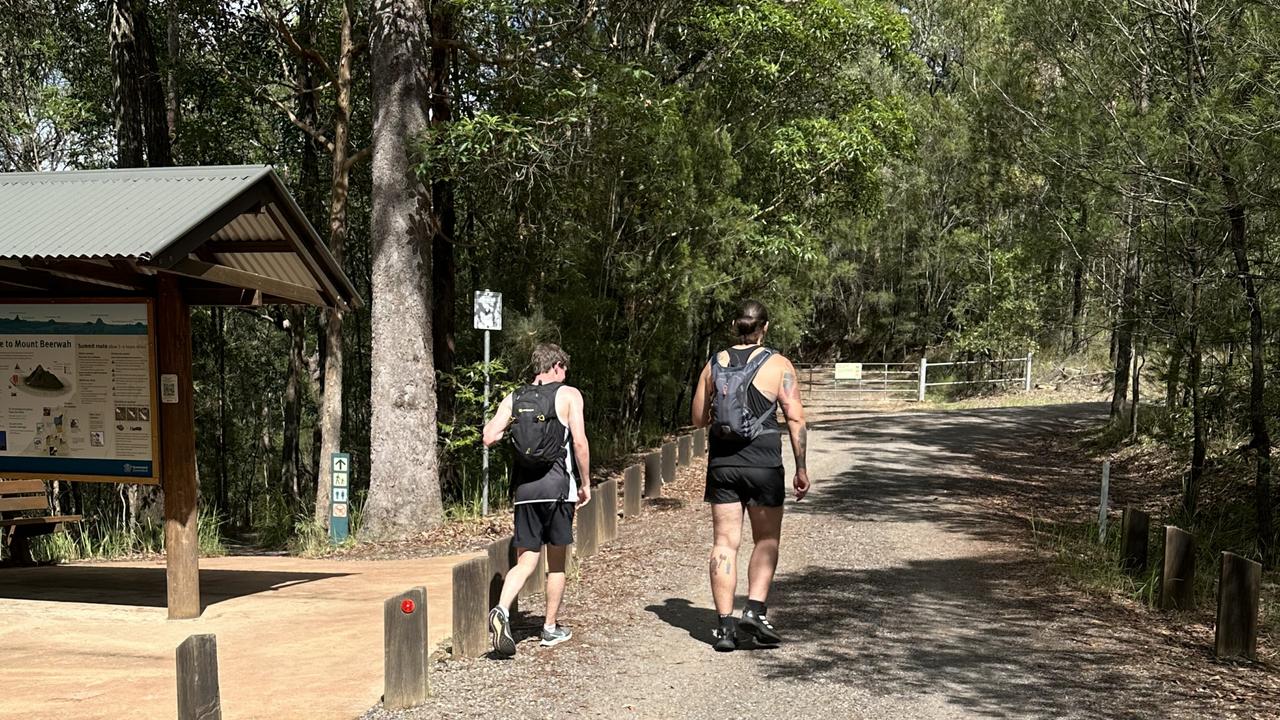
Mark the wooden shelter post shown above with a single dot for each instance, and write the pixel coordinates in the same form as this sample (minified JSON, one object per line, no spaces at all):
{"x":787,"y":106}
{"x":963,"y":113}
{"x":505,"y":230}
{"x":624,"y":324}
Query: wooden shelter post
{"x":178,"y":452}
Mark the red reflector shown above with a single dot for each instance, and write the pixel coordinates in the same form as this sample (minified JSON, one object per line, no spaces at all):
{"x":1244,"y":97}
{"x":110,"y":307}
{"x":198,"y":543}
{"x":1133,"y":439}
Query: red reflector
{"x":406,"y":606}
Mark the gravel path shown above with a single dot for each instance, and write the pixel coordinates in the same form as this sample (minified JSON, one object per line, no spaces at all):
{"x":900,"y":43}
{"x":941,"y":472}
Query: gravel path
{"x":903,"y":592}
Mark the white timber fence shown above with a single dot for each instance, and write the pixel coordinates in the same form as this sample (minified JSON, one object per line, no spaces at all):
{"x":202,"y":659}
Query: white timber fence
{"x":831,"y":383}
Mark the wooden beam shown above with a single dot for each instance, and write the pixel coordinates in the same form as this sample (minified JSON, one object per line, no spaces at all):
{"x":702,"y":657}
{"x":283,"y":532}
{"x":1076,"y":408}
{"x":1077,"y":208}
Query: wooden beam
{"x":250,"y":200}
{"x":25,"y":278}
{"x":224,"y":275}
{"x":178,"y":452}
{"x":235,"y":297}
{"x":308,"y":257}
{"x":91,"y":272}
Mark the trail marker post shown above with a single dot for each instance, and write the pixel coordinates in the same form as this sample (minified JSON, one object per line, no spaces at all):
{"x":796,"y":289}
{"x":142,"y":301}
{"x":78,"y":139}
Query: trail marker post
{"x":339,"y":496}
{"x":487,"y":316}
{"x":1102,"y":502}
{"x":924,"y":373}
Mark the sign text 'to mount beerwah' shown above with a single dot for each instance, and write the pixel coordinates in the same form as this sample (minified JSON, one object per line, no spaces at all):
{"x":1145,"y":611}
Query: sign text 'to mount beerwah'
{"x":79,"y":390}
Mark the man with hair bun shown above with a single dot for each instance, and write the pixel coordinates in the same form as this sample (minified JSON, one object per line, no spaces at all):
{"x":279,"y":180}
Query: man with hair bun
{"x":550,"y":481}
{"x":738,"y":395}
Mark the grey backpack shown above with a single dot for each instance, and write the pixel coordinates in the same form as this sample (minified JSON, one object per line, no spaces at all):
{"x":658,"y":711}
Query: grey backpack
{"x":731,"y":416}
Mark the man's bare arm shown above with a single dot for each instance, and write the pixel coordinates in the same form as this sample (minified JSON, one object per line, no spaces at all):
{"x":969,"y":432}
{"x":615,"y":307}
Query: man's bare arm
{"x":497,"y":425}
{"x":578,"y":429}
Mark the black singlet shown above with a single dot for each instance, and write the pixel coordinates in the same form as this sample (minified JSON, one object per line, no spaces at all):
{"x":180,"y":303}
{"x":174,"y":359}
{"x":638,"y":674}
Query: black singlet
{"x":766,"y":449}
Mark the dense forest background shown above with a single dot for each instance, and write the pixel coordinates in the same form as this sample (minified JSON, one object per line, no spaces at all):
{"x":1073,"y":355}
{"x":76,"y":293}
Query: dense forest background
{"x":973,"y":178}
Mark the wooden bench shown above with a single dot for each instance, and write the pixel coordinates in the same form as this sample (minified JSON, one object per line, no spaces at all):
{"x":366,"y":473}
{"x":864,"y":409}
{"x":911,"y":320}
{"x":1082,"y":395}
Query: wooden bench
{"x":26,"y":511}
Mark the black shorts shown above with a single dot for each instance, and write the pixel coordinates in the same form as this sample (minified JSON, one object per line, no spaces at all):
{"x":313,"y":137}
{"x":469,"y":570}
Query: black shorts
{"x":543,"y":523}
{"x":758,"y":486}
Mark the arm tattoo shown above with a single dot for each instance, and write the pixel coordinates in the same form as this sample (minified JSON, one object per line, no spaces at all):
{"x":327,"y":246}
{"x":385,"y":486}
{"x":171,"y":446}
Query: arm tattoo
{"x":788,"y":382}
{"x":802,"y":447}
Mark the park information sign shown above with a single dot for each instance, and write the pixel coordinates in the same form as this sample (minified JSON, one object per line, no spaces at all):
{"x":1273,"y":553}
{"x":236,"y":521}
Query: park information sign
{"x":79,"y":392}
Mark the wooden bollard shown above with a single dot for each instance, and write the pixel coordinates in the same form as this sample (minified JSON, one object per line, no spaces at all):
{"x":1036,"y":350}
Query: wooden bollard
{"x":405,"y":656}
{"x":502,"y":555}
{"x":632,"y":490}
{"x":587,"y":535}
{"x":1239,"y":588}
{"x":1133,"y":540}
{"x":668,"y":462}
{"x":471,"y":607}
{"x":608,"y":496}
{"x":1177,"y":586}
{"x":197,"y":661}
{"x":700,"y":442}
{"x":653,"y":474}
{"x":684,"y":450}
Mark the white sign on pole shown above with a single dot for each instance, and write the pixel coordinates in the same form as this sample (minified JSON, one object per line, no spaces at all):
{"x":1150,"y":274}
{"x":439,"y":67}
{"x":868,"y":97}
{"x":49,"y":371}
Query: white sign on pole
{"x":848,"y":371}
{"x":488,"y":310}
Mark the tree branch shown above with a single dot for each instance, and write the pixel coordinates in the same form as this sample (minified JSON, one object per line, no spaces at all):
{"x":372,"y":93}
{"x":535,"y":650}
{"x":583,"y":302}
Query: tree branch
{"x":304,"y":53}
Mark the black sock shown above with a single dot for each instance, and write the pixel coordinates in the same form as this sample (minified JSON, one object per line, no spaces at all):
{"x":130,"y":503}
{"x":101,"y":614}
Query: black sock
{"x":727,"y":621}
{"x":756,"y":607}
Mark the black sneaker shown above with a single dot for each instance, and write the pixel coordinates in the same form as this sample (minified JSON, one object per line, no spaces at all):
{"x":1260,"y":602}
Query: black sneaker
{"x":500,"y":632}
{"x":759,"y":627}
{"x":726,"y":639}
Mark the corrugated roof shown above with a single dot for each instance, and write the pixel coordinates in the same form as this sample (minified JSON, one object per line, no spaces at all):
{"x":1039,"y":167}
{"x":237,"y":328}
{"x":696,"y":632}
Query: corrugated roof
{"x":159,"y":217}
{"x":112,"y":213}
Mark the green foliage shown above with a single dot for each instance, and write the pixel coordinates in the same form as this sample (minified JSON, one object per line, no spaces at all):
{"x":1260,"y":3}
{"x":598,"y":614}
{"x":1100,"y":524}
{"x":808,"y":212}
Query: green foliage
{"x":460,"y":439}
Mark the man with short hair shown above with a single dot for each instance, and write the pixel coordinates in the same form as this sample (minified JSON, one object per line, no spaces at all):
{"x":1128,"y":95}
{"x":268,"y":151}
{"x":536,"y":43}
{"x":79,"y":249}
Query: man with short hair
{"x":550,"y":480}
{"x":737,"y":399}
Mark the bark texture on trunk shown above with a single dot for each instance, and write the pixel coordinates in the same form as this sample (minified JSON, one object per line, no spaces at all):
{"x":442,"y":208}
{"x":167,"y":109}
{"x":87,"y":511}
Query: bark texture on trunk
{"x":155,"y":109}
{"x":404,"y":490}
{"x":124,"y":85}
{"x":444,"y":215}
{"x":1260,"y":441}
{"x":331,"y":404}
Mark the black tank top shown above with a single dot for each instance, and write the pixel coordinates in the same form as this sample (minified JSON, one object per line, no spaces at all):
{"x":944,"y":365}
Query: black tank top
{"x":766,"y":449}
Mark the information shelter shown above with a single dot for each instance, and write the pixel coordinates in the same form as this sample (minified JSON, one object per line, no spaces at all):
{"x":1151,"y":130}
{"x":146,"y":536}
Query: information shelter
{"x":98,"y":272}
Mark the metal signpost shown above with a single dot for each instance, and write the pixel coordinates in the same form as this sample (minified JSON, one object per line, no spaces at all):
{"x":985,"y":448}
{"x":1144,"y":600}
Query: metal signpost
{"x":487,"y":317}
{"x":339,"y":500}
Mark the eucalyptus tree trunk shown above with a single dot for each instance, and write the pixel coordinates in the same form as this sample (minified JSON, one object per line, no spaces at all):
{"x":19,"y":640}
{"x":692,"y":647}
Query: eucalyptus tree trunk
{"x":124,"y":85}
{"x":1260,"y":442}
{"x":331,"y":403}
{"x":404,"y":490}
{"x":155,"y":108}
{"x":444,"y":212}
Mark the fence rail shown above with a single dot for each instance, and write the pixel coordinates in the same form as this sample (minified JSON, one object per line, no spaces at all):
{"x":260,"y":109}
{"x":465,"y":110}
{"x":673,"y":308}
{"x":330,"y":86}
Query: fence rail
{"x":911,"y":382}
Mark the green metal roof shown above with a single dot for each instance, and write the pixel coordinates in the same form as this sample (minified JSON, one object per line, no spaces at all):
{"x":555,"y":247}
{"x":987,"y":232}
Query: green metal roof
{"x":111,"y":213}
{"x":159,"y":217}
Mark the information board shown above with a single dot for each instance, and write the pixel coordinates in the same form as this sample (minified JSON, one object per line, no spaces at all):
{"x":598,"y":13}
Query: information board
{"x":79,"y":391}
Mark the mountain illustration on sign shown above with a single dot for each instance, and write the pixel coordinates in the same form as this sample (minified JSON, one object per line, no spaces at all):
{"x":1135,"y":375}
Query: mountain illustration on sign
{"x":42,"y":379}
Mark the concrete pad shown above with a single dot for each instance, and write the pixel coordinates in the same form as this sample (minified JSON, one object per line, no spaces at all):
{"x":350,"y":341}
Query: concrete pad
{"x":296,"y":637}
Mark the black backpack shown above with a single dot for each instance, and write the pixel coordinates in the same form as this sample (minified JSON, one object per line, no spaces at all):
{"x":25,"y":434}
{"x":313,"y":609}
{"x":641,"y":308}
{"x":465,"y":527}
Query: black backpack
{"x":537,"y":436}
{"x":731,"y":416}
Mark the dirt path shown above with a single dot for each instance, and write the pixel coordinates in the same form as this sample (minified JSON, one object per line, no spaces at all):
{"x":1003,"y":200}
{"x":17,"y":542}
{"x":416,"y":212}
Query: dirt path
{"x":902,"y":592}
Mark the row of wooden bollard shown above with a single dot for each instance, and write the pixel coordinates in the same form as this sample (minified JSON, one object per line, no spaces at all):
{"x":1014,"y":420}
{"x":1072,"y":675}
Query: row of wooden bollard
{"x":1239,"y":582}
{"x":476,"y":586}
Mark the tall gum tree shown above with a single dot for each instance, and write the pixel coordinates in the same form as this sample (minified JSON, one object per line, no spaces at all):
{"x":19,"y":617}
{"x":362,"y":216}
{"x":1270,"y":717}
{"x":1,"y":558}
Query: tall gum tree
{"x":404,"y":489}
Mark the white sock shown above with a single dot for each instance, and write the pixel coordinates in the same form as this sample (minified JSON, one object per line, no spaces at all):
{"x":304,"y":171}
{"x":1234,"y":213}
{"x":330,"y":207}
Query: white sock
{"x":548,"y":628}
{"x":502,"y":610}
